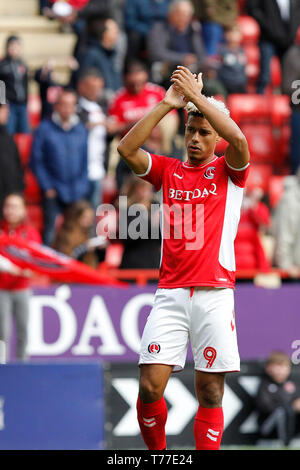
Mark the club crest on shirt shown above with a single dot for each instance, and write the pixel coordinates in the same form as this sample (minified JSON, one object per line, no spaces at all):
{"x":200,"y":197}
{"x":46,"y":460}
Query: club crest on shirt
{"x":154,"y":348}
{"x":210,"y":172}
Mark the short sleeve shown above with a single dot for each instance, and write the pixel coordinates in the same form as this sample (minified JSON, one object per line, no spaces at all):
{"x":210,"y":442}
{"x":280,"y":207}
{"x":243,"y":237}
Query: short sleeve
{"x":155,"y":170}
{"x":115,"y":111}
{"x":238,"y":175}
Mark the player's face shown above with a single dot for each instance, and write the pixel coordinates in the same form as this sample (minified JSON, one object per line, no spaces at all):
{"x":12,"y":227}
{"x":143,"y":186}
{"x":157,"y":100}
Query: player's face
{"x":200,"y":140}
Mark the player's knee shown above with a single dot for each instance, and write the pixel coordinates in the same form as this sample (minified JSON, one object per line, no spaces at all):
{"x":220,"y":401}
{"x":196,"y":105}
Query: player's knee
{"x":210,"y":394}
{"x":149,"y":392}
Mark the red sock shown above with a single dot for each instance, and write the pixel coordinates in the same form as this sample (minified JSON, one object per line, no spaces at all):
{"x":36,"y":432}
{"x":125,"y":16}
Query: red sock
{"x":208,"y":428}
{"x":152,"y":418}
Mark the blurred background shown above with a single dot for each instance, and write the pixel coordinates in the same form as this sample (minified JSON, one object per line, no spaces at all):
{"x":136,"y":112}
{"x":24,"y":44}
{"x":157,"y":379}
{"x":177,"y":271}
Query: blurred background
{"x":76,"y":75}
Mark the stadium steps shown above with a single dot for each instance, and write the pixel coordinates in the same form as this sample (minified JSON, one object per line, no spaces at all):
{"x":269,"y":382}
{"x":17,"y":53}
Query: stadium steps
{"x":19,"y":7}
{"x":40,"y":46}
{"x":23,"y":24}
{"x":41,"y":37}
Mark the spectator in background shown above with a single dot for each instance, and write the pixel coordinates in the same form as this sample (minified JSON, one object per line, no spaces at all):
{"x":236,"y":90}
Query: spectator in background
{"x":211,"y":84}
{"x":88,"y":19}
{"x":90,"y":86}
{"x":14,"y":73}
{"x":139,"y":16}
{"x":232,"y":71}
{"x":215,"y":15}
{"x":178,"y":40}
{"x":74,"y":237}
{"x":59,"y":160}
{"x":254,"y":220}
{"x":278,"y":21}
{"x":278,"y":400}
{"x":49,"y":85}
{"x":286,"y":227}
{"x":132,"y":102}
{"x":101,"y":52}
{"x":291,"y":87}
{"x":11,"y":173}
{"x":142,"y":252}
{"x":14,"y":291}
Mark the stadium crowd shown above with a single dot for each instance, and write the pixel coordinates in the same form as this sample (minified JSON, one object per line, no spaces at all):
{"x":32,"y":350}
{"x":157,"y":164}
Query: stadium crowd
{"x":57,"y":166}
{"x":64,"y":162}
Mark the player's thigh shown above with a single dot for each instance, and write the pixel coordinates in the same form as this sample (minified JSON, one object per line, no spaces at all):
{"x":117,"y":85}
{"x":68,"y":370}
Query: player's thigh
{"x":213,"y":332}
{"x":166,"y":333}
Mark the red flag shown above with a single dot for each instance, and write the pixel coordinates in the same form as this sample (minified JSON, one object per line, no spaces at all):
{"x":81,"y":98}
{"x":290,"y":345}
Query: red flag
{"x":44,"y":260}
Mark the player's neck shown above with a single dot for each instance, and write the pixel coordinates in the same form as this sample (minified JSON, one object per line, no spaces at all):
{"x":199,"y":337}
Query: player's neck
{"x":196,"y":163}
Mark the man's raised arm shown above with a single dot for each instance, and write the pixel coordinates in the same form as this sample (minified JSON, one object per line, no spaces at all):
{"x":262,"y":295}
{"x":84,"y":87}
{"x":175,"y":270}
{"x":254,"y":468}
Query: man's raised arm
{"x":130,"y":145}
{"x":237,"y":153}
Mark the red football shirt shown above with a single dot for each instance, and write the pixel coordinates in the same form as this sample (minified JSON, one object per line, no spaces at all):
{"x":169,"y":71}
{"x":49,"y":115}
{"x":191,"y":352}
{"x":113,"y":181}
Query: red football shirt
{"x":200,"y":211}
{"x":128,"y":108}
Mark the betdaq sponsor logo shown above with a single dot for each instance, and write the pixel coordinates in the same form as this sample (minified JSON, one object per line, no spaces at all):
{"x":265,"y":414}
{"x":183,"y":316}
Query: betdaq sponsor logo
{"x":197,"y":193}
{"x":178,"y":221}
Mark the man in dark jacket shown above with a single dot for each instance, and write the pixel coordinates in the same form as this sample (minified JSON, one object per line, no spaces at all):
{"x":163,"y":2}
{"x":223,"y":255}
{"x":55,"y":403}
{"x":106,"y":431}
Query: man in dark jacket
{"x":14,"y":73}
{"x":59,"y":160}
{"x":101,"y":53}
{"x":178,"y":40}
{"x":278,"y":21}
{"x":11,"y":173}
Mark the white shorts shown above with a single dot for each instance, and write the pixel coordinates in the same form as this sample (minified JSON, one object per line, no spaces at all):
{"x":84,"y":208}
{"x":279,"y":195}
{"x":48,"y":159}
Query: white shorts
{"x":205,"y":317}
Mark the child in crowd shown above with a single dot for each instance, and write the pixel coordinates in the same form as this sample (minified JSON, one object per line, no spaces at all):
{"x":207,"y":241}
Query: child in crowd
{"x":232,"y":71}
{"x":278,"y":400}
{"x":15,"y":290}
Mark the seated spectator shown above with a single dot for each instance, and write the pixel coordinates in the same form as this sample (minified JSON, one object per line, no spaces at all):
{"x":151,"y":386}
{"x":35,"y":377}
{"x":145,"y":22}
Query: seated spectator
{"x":133,"y":102}
{"x":139,"y":16}
{"x":11,"y":173}
{"x":211,"y":84}
{"x":59,"y":160}
{"x":290,"y":76}
{"x":254,"y":220}
{"x":286,"y":227}
{"x":90,"y":86}
{"x":278,"y":21}
{"x":100,"y":52}
{"x":74,"y":237}
{"x":141,"y":248}
{"x":14,"y":73}
{"x":14,"y":292}
{"x":88,"y":19}
{"x":215,"y":15}
{"x":278,"y":400}
{"x":178,"y":40}
{"x":232,"y":71}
